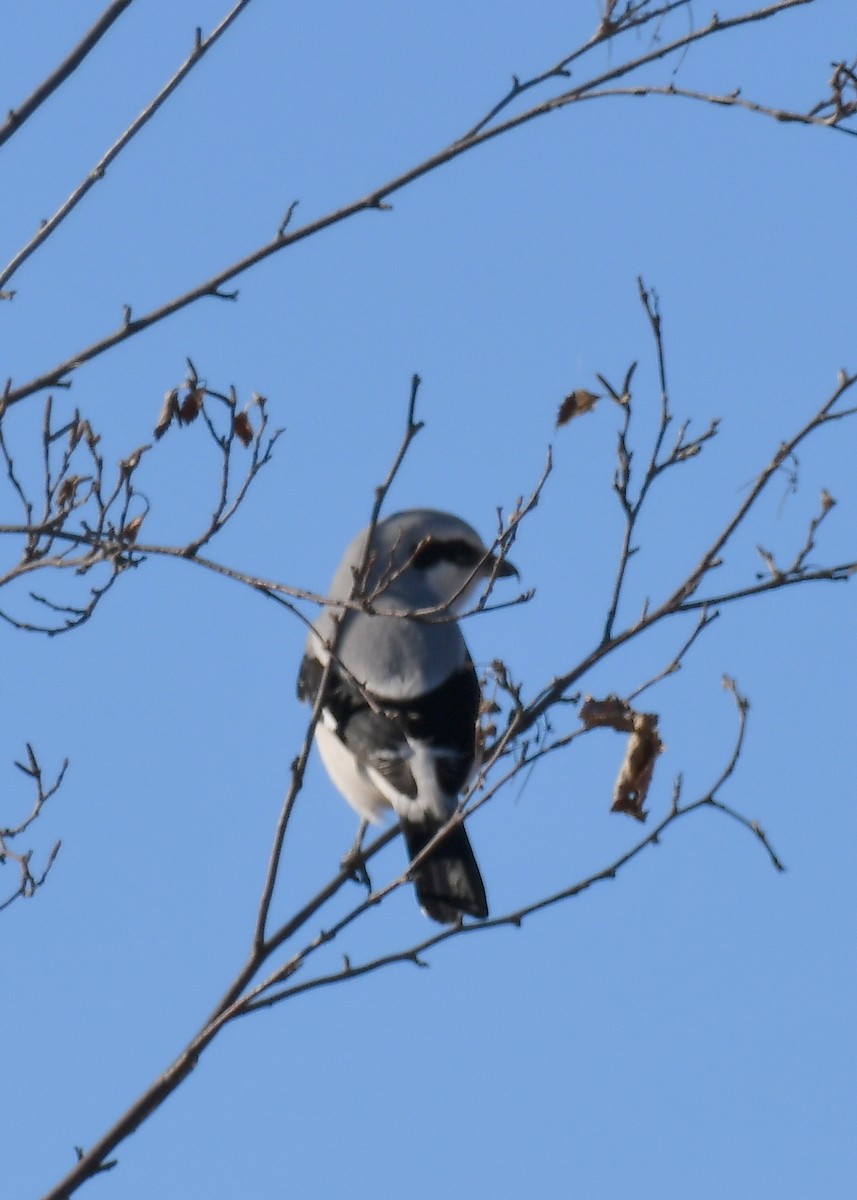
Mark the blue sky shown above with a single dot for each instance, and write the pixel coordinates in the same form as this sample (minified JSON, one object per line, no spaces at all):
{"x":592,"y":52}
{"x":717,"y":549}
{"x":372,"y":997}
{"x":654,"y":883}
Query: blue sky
{"x":685,"y":1030}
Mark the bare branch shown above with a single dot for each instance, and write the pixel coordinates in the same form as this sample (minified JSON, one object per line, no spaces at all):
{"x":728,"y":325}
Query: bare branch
{"x":706,"y":617}
{"x":28,"y":883}
{"x":712,"y":557}
{"x":683,"y":599}
{"x":829,"y":114}
{"x":17,"y":116}
{"x":376,"y":200}
{"x":681,"y":452}
{"x":634,"y":16}
{"x":201,"y":46}
{"x":838,"y":574}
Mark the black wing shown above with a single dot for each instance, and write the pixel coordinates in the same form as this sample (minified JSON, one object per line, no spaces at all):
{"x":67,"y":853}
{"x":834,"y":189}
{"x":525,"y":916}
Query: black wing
{"x":378,"y":730}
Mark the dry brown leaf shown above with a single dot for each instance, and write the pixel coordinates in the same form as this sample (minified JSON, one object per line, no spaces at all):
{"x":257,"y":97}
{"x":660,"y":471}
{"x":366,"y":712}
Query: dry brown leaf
{"x":190,"y":407}
{"x":635,"y":774}
{"x":129,"y":533}
{"x":129,"y":464}
{"x":67,"y":489}
{"x":81,"y":430}
{"x":242,"y":428}
{"x":168,"y":412}
{"x":574,"y":405}
{"x":611,"y":713}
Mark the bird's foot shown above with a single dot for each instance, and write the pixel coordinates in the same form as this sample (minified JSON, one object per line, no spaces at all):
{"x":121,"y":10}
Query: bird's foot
{"x":353,"y":861}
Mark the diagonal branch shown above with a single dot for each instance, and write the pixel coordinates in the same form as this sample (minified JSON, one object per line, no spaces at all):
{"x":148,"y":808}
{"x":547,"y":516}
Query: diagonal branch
{"x":711,"y":558}
{"x":267,"y":994}
{"x":201,"y":45}
{"x":17,"y":116}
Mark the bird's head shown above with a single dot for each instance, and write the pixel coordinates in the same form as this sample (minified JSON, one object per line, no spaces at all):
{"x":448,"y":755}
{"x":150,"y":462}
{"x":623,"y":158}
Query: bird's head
{"x":424,"y":559}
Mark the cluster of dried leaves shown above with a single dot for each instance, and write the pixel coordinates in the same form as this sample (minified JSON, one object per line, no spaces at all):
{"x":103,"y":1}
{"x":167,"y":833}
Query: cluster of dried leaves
{"x":90,"y":518}
{"x":183,"y":405}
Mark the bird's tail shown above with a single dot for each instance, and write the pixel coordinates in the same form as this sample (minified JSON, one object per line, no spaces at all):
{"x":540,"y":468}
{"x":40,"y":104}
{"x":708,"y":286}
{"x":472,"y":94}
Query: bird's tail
{"x":448,"y":883}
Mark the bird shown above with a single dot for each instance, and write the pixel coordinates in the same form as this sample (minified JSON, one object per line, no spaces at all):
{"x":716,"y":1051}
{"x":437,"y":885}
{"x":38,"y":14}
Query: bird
{"x":397,"y":728}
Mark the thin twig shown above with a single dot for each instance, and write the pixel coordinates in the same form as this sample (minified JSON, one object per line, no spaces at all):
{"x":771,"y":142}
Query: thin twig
{"x":707,"y":617}
{"x":712,"y":556}
{"x":29,"y":883}
{"x":632,"y":18}
{"x":833,"y":120}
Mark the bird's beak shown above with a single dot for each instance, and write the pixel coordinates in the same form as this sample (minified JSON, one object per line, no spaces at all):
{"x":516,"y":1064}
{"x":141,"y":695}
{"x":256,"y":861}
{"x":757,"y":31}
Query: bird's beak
{"x":501,"y":567}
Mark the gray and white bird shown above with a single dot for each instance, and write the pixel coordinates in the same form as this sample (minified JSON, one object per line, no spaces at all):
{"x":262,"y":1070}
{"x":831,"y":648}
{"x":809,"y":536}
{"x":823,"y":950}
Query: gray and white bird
{"x":398,"y":725}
